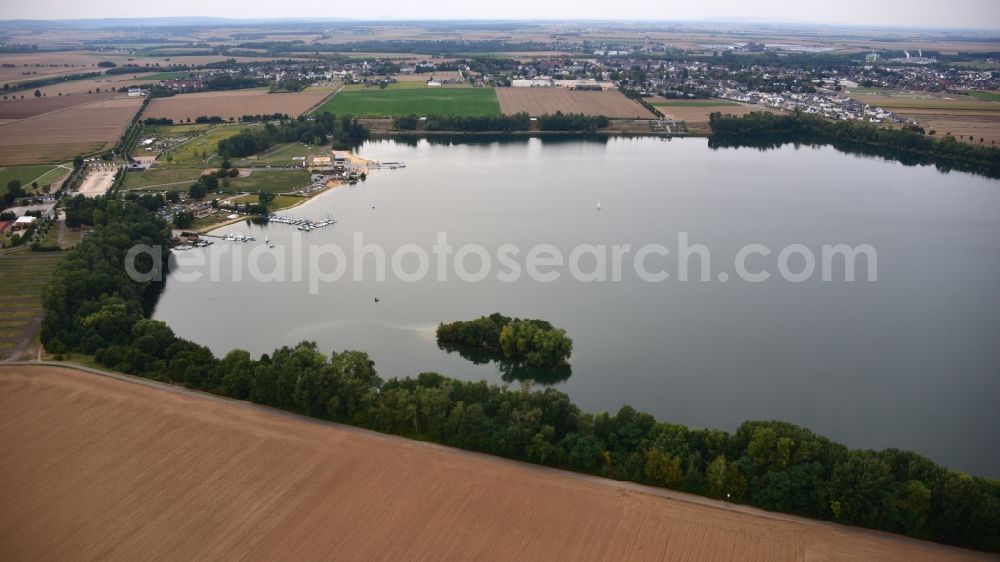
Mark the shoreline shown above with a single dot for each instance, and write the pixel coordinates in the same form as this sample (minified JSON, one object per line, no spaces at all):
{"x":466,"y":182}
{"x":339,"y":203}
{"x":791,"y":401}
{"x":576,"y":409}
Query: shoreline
{"x":330,"y":186}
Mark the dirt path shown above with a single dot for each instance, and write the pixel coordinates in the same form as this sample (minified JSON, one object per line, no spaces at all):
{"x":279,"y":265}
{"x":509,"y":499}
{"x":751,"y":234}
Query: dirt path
{"x":26,"y":339}
{"x":113,"y":466}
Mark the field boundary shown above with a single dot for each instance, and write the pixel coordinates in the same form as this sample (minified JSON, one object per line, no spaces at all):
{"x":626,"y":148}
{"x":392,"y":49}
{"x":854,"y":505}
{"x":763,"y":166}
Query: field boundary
{"x":319,"y":104}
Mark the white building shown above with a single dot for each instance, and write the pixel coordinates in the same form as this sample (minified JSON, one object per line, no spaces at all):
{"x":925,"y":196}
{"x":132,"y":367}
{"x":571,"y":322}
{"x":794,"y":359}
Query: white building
{"x":540,"y":82}
{"x":24,"y":223}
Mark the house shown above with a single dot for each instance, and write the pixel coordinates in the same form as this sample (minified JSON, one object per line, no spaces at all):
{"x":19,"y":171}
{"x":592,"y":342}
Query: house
{"x":136,"y":92}
{"x":433,"y":83}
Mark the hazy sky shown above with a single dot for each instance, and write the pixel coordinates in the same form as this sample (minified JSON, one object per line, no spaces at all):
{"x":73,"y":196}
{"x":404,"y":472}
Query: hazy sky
{"x":925,"y":13}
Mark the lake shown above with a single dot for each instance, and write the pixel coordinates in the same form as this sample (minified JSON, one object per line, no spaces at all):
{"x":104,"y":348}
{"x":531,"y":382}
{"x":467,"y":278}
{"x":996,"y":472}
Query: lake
{"x":911,"y":360}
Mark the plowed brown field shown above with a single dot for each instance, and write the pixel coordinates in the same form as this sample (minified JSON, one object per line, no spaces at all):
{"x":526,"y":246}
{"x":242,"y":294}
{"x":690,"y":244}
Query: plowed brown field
{"x":60,"y":135}
{"x":233,"y":104}
{"x":31,"y":106}
{"x":96,"y":467}
{"x":539,"y":101}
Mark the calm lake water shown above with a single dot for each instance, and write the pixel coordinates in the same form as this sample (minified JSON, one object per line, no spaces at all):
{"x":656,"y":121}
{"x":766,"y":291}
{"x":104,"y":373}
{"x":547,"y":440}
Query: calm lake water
{"x":910,"y":361}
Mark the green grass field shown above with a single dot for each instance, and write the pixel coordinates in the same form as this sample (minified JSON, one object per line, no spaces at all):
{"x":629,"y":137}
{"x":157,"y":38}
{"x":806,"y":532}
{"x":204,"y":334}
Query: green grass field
{"x":986,"y":96}
{"x":169,"y":75}
{"x":162,"y":176}
{"x":870,"y":91}
{"x":201,"y":149}
{"x":419,"y":101}
{"x":23,"y":274}
{"x":268,"y":182}
{"x":692,"y":103}
{"x":28,"y":174}
{"x":279,"y":202}
{"x":285,"y":152}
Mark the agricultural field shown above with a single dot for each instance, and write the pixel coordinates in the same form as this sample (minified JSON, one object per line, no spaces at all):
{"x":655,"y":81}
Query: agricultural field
{"x":540,"y":101}
{"x":972,"y":118}
{"x":186,"y":129}
{"x":23,"y":274}
{"x":393,"y":102}
{"x":95,"y":86}
{"x":168,"y":75}
{"x":234,"y":480}
{"x":663,"y":102}
{"x":697,"y":111}
{"x":44,"y":175}
{"x":232,"y":104}
{"x":61,"y":135}
{"x":423,"y":77}
{"x":162,"y":178}
{"x":985,"y":96}
{"x":31,"y":106}
{"x":33,"y":66}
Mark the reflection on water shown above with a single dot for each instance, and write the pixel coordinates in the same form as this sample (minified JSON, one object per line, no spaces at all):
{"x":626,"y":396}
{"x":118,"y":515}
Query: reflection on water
{"x":512,"y":371}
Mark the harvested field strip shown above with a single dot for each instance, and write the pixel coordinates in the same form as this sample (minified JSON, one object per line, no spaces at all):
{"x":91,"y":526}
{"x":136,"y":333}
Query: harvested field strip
{"x":30,"y":107}
{"x":97,"y":467}
{"x":693,"y":103}
{"x":59,"y":136}
{"x":232,"y":104}
{"x":539,"y":101}
{"x":891,"y":102}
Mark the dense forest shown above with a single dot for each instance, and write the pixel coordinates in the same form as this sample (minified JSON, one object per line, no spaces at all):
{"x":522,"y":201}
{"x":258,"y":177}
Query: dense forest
{"x":93,"y":307}
{"x":533,"y":343}
{"x":909,"y":145}
{"x":560,"y":121}
{"x":344,"y":132}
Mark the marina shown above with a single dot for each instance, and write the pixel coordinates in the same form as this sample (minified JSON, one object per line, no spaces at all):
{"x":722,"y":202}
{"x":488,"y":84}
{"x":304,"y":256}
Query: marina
{"x":305,"y":225}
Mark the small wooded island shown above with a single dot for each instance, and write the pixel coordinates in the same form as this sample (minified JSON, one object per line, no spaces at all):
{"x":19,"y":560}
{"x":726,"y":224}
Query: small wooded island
{"x":534,"y":343}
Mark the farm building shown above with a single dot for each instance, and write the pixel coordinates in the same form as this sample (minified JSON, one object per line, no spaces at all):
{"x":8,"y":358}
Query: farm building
{"x":588,"y":84}
{"x":540,"y":82}
{"x":321,"y":161}
{"x":24,"y":223}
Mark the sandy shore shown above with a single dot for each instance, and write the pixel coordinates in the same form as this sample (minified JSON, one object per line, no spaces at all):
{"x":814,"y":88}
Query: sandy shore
{"x":96,"y":467}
